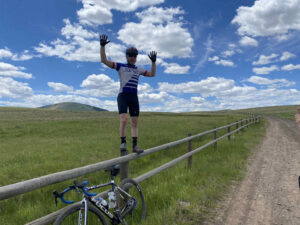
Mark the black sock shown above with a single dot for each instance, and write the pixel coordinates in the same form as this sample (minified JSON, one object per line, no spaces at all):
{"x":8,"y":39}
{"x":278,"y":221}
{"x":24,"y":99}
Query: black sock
{"x":123,"y":140}
{"x":134,"y":141}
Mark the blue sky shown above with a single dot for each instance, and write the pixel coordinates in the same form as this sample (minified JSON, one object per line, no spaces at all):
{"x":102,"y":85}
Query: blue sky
{"x":212,"y":54}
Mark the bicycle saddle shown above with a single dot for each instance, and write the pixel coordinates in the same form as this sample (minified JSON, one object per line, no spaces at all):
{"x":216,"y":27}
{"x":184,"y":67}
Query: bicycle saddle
{"x":114,"y":170}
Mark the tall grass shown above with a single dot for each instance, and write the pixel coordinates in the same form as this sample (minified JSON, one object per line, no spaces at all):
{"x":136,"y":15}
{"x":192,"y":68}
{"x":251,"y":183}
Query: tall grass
{"x":39,"y":142}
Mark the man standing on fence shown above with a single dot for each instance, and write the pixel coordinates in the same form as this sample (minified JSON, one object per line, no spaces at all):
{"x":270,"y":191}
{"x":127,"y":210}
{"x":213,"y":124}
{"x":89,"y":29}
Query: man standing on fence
{"x":128,"y":98}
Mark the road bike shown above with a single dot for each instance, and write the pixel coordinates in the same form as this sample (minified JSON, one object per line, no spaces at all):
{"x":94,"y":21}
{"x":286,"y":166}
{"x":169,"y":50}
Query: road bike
{"x":125,"y":203}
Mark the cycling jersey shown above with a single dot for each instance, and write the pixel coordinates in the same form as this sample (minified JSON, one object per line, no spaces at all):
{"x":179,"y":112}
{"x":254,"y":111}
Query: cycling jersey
{"x":129,"y":77}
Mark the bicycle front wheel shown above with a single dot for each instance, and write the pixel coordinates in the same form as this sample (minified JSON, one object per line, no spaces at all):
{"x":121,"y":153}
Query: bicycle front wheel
{"x":75,"y":214}
{"x":125,"y":202}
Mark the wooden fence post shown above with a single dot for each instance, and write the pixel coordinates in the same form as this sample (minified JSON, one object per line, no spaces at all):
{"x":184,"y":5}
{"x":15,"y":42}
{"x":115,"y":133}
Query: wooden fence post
{"x":242,"y":123}
{"x":215,"y":137}
{"x":189,"y":150}
{"x":247,"y":122}
{"x":228,"y":131}
{"x":124,"y":167}
{"x":237,"y":126}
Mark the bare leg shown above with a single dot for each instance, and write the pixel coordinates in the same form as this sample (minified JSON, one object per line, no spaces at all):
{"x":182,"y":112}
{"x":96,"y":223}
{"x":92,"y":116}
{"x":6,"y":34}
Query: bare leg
{"x":123,"y":123}
{"x":134,"y":126}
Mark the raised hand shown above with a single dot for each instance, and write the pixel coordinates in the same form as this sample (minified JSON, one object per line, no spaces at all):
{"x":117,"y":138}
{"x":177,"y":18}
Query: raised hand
{"x":152,"y":56}
{"x":103,"y":40}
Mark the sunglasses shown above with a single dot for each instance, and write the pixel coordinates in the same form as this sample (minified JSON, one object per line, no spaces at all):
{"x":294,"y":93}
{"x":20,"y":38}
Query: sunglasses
{"x":132,"y":55}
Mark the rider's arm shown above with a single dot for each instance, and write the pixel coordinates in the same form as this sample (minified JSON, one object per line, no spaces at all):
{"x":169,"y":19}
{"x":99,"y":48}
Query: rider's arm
{"x":103,"y":42}
{"x":104,"y":59}
{"x":152,"y":71}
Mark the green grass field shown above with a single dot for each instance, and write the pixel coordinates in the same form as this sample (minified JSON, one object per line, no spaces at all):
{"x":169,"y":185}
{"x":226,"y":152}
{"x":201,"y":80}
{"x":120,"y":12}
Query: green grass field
{"x":278,"y":111}
{"x":36,"y":142}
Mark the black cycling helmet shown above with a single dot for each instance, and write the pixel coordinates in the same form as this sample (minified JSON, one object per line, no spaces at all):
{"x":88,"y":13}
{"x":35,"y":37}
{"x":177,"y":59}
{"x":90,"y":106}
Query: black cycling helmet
{"x":132,"y":51}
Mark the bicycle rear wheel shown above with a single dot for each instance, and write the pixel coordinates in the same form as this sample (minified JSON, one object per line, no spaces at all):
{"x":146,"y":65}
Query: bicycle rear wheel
{"x":138,"y":212}
{"x":71,"y":215}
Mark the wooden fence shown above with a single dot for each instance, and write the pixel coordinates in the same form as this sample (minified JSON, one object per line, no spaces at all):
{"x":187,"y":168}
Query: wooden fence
{"x":12,"y":190}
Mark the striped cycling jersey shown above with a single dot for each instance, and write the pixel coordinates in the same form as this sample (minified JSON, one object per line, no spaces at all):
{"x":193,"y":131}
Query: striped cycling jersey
{"x":129,"y":77}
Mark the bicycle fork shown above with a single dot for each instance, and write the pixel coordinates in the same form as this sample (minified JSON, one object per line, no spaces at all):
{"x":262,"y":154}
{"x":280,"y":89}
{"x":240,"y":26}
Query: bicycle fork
{"x":85,"y":209}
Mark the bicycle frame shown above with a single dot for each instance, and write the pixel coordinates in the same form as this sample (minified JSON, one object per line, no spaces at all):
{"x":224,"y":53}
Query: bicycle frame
{"x":88,"y":199}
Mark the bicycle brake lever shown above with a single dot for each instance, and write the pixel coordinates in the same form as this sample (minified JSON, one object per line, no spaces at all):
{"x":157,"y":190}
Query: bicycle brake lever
{"x":76,"y":187}
{"x":55,"y":193}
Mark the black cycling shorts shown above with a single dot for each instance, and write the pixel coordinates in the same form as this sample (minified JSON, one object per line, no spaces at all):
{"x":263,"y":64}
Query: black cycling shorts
{"x":128,"y":100}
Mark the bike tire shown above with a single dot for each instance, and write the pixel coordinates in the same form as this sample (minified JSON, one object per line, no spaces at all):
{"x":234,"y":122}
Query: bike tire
{"x":71,"y":217}
{"x":139,"y":212}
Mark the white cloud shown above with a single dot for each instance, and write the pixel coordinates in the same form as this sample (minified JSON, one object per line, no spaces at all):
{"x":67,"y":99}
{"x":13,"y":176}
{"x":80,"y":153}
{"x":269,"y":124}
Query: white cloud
{"x":207,"y":87}
{"x":98,"y":12}
{"x":59,"y":87}
{"x":263,"y":59}
{"x":286,"y":55}
{"x":248,"y":41}
{"x":214,"y":58}
{"x":25,"y":55}
{"x":228,"y":53}
{"x":174,"y":68}
{"x":5,"y":53}
{"x":291,"y":67}
{"x":268,"y":18}
{"x":80,"y":45}
{"x":76,"y":30}
{"x":99,"y":85}
{"x":265,"y":70}
{"x":9,"y":70}
{"x":197,"y":99}
{"x":9,"y":88}
{"x":269,"y":82}
{"x":150,"y":98}
{"x":224,"y":62}
{"x":161,"y":37}
{"x":159,"y":15}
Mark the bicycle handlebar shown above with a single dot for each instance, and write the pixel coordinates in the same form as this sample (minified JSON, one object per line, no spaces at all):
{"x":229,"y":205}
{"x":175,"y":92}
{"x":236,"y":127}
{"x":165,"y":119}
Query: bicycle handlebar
{"x":76,"y":185}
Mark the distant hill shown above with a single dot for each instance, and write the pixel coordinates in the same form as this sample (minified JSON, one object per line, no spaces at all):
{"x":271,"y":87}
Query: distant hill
{"x":72,"y":106}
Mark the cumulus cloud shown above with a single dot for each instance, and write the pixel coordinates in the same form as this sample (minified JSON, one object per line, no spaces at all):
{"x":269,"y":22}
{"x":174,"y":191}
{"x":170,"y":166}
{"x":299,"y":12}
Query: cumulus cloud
{"x":159,"y":36}
{"x":248,"y":41}
{"x":80,"y":44}
{"x":268,"y":18}
{"x":10,"y":70}
{"x":9,"y":88}
{"x":99,"y":85}
{"x":263,"y":59}
{"x":270,"y":82}
{"x":98,"y":12}
{"x":59,"y":87}
{"x":222,"y":62}
{"x":76,"y":30}
{"x":265,"y":70}
{"x":207,"y":87}
{"x":214,"y":58}
{"x":174,"y":68}
{"x":286,"y":56}
{"x":291,"y":67}
{"x":6,"y":53}
{"x":228,"y":53}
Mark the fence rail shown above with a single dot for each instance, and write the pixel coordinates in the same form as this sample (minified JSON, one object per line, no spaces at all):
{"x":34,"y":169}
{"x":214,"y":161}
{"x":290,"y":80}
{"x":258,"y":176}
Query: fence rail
{"x":11,"y":190}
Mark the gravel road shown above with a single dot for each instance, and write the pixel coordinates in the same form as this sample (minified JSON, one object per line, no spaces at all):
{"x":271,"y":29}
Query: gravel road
{"x":270,"y":193}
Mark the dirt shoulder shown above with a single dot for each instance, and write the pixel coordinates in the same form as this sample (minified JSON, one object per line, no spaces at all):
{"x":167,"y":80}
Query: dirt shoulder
{"x":270,"y":193}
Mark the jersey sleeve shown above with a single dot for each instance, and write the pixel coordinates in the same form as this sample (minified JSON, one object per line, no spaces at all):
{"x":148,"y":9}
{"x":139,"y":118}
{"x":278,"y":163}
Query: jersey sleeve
{"x":117,"y":65}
